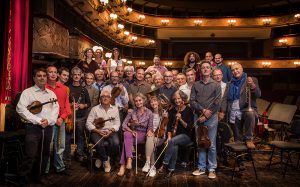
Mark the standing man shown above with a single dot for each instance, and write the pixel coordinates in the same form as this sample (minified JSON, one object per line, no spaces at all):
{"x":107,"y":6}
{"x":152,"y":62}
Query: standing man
{"x":100,"y":80}
{"x":167,"y":88}
{"x":205,"y":100}
{"x":238,"y":93}
{"x":39,"y":126}
{"x":63,"y":75}
{"x":59,"y":127}
{"x":225,"y":69}
{"x":105,"y":111}
{"x":157,"y":67}
{"x":139,"y":86}
{"x":80,"y":99}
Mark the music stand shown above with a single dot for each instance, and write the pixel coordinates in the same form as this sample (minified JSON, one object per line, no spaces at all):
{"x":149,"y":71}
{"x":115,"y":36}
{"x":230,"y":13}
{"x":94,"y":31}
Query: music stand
{"x":282,"y":113}
{"x":262,"y":106}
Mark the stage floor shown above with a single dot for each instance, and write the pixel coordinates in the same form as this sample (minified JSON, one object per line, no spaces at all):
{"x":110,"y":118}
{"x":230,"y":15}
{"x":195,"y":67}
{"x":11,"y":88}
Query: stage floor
{"x":183,"y":177}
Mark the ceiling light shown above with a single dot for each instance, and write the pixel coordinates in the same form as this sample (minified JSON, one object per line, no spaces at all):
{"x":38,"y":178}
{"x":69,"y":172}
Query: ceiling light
{"x":198,"y":22}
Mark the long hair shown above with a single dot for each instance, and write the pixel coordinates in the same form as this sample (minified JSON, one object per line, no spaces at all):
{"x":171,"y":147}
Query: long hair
{"x":160,"y":109}
{"x":187,"y":57}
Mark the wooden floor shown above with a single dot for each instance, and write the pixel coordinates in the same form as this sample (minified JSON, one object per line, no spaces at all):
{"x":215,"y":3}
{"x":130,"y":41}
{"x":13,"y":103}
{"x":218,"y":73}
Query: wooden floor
{"x":183,"y":178}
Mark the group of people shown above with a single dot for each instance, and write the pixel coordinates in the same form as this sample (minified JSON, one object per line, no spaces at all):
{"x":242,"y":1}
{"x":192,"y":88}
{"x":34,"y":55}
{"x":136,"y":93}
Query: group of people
{"x":118,"y":106}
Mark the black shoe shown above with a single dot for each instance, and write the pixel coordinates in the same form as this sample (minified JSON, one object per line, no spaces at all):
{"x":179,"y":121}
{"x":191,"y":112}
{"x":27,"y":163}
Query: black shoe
{"x":169,"y":174}
{"x":162,"y":169}
{"x":23,"y":181}
{"x":64,"y":172}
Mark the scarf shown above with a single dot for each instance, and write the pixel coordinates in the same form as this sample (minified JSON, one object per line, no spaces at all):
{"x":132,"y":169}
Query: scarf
{"x":235,"y":87}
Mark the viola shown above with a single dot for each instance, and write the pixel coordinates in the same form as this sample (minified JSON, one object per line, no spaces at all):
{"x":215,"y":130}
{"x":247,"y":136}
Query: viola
{"x":203,"y":139}
{"x":100,"y":122}
{"x":115,"y":92}
{"x":36,"y":106}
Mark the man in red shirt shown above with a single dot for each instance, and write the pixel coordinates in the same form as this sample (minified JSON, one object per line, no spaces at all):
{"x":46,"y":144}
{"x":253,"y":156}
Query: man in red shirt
{"x":59,"y":128}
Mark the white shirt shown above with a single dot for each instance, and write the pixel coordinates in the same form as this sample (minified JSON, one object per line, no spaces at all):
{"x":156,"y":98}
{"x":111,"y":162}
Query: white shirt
{"x":49,"y":111}
{"x":223,"y":87}
{"x":235,"y":111}
{"x":121,"y":100}
{"x":186,"y":89}
{"x":114,"y":64}
{"x":98,"y":111}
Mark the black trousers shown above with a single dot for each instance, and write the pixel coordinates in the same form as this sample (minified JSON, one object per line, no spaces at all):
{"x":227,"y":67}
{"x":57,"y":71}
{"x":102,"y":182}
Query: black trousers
{"x":33,"y":143}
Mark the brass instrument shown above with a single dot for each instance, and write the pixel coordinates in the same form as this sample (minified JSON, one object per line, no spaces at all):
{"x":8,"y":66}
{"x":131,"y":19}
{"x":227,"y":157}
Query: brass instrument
{"x":248,"y":98}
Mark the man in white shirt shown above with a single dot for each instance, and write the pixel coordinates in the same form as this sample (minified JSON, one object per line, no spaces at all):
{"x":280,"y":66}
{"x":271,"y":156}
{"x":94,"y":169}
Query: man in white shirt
{"x":39,"y":126}
{"x":108,"y":112}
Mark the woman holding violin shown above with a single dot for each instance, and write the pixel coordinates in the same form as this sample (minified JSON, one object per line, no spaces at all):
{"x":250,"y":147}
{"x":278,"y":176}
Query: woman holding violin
{"x":137,"y":125}
{"x":160,"y":122}
{"x":179,"y":131}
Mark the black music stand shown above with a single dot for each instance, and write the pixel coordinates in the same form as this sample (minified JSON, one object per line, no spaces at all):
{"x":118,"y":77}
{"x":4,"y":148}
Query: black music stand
{"x":282,"y":113}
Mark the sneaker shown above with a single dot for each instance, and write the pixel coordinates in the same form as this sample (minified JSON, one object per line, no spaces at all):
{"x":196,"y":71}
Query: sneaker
{"x":212,"y":175}
{"x":146,"y":167}
{"x":98,"y":163}
{"x":198,"y":172}
{"x":250,"y":144}
{"x":107,"y":166}
{"x":152,"y":172}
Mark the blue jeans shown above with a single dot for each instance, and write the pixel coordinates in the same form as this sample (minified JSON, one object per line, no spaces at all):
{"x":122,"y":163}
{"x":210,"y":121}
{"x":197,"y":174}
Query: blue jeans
{"x":212,"y":125}
{"x":172,"y":149}
{"x":58,"y":147}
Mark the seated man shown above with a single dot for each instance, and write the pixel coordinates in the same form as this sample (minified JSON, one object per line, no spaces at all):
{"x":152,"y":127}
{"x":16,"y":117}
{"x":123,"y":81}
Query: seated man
{"x":106,"y":129}
{"x":240,"y":89}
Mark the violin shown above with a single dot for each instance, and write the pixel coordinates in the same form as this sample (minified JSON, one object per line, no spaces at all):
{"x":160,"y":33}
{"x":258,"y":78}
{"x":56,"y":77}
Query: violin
{"x":36,"y":106}
{"x":160,"y":131}
{"x":177,"y":121}
{"x":203,"y":139}
{"x":133,"y":124}
{"x":100,"y":122}
{"x":115,"y":92}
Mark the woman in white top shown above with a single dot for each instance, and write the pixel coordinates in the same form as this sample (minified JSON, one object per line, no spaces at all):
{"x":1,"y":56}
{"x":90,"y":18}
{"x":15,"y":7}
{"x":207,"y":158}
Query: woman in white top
{"x":158,"y":139}
{"x":114,"y":61}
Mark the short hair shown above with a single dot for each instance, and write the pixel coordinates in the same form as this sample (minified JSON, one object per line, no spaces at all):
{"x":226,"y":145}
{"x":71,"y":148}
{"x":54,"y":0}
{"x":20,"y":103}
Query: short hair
{"x":105,"y":91}
{"x":113,"y":72}
{"x":217,"y":69}
{"x":205,"y":62}
{"x":35,"y":71}
{"x":157,"y":56}
{"x":128,"y":68}
{"x":89,"y":74}
{"x":50,"y":66}
{"x":61,"y":69}
{"x":75,"y":70}
{"x":139,"y":94}
{"x":99,"y":70}
{"x":181,"y":94}
{"x":181,"y":74}
{"x":190,"y":69}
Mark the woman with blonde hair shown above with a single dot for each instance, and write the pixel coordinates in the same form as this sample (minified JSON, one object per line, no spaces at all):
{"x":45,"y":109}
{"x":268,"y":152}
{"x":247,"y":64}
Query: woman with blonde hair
{"x":137,"y":126}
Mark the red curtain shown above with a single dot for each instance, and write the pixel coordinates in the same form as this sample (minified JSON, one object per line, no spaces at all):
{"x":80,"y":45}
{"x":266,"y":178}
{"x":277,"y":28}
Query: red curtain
{"x":17,"y":44}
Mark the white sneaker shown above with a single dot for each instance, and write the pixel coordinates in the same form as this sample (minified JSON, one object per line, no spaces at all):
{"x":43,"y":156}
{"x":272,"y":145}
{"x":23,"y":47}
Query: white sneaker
{"x":152,"y":172}
{"x":198,"y":172}
{"x":146,"y":167}
{"x":107,"y":166}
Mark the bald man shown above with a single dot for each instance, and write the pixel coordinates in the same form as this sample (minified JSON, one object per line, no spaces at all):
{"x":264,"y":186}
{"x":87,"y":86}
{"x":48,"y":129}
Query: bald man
{"x":237,"y":104}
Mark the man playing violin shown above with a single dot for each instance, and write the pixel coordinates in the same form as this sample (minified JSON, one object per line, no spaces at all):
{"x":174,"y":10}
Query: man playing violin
{"x":38,"y":126}
{"x":103,"y":122}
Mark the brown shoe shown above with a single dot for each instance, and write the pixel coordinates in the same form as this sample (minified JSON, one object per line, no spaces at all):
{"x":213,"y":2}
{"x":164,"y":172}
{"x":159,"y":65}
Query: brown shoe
{"x":250,"y":144}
